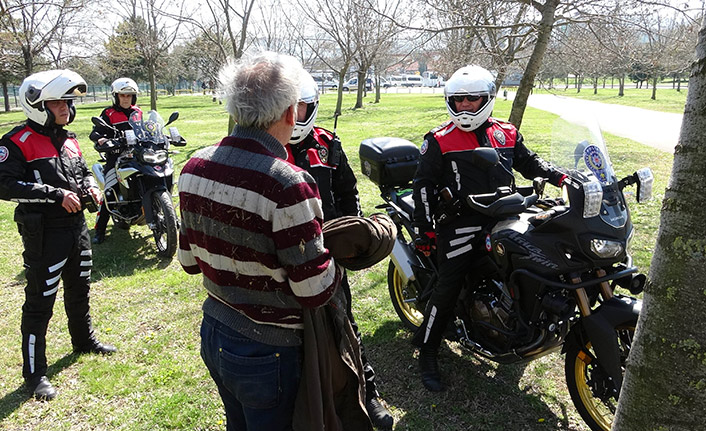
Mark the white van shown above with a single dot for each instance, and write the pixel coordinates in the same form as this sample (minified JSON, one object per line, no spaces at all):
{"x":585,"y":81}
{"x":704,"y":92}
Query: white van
{"x":412,"y":81}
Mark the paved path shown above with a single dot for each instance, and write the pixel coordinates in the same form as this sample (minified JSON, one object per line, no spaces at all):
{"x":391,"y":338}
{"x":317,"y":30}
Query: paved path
{"x":656,"y":129}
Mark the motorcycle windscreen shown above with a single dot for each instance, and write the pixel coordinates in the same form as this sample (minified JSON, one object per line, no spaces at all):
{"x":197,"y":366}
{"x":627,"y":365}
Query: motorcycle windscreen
{"x":577,"y":146}
{"x":147,"y":127}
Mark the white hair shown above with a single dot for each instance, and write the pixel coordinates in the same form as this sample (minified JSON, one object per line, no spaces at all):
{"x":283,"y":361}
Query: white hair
{"x":259,"y":88}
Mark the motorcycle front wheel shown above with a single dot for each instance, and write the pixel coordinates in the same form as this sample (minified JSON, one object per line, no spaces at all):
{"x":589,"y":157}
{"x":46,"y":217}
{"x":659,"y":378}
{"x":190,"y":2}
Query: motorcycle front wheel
{"x":589,"y":384}
{"x":404,"y":299}
{"x":165,"y":221}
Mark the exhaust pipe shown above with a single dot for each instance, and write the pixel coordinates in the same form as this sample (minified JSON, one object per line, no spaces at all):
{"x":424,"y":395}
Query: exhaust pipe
{"x":403,"y":259}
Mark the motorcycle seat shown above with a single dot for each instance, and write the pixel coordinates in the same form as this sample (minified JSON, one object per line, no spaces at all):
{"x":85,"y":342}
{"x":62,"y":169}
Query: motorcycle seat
{"x":404,"y":200}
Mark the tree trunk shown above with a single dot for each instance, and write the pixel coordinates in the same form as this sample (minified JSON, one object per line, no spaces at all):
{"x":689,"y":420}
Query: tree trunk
{"x":5,"y":96}
{"x":527,"y":82}
{"x":621,"y":86}
{"x":377,"y":88}
{"x":361,"y":90}
{"x":665,"y":379}
{"x":654,"y":88}
{"x":341,"y":80}
{"x":153,"y":86}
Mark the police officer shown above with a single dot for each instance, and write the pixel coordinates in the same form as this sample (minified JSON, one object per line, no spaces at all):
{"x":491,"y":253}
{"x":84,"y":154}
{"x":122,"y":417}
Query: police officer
{"x":124,"y":92}
{"x":43,"y":170}
{"x":446,"y":161}
{"x":320,"y":153}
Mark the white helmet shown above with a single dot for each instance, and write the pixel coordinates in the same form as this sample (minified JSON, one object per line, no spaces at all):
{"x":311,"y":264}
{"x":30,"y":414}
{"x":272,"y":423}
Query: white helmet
{"x":309,"y":94}
{"x":50,"y":85}
{"x":470,"y":81}
{"x":124,"y":86}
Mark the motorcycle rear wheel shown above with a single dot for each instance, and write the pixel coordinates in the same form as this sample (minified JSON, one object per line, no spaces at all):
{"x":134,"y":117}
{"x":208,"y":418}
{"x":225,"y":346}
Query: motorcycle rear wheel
{"x":588,"y":382}
{"x":165,"y":220}
{"x":404,"y":299}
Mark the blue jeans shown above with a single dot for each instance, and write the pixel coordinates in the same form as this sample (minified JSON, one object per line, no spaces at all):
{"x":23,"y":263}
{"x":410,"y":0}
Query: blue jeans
{"x":257,"y":382}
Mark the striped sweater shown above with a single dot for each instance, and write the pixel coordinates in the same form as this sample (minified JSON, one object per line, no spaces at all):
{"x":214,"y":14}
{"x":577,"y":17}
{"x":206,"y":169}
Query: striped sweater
{"x":251,"y":224}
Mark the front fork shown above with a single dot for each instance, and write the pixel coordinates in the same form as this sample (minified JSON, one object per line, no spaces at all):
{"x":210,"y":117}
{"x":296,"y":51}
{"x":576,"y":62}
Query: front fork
{"x":600,"y":326}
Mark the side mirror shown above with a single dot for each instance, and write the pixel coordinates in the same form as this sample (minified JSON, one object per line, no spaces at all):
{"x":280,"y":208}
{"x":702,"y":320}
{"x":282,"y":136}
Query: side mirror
{"x":172,"y":118}
{"x":538,"y":184}
{"x":485,"y":157}
{"x":98,"y":121}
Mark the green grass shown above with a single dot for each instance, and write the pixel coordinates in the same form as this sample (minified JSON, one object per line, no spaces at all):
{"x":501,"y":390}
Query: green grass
{"x":666,"y":99}
{"x":150,"y":309}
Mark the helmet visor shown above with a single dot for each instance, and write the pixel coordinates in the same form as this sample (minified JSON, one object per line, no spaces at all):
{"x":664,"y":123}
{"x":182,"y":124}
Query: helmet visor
{"x":455,"y":101}
{"x":305,"y":111}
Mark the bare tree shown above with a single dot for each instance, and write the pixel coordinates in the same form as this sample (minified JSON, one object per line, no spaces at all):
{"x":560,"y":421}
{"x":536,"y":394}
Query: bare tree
{"x":34,"y":24}
{"x":154,"y":30}
{"x":332,"y":22}
{"x":665,"y":379}
{"x":372,"y":34}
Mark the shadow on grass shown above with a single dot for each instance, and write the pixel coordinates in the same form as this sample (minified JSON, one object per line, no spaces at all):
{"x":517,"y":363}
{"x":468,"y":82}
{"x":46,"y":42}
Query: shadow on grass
{"x":13,"y":400}
{"x":125,"y":252}
{"x":480,"y":394}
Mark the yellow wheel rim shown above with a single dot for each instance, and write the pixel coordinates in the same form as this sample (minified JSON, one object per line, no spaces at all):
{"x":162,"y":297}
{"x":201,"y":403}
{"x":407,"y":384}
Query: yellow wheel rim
{"x":404,"y":292}
{"x":598,"y":411}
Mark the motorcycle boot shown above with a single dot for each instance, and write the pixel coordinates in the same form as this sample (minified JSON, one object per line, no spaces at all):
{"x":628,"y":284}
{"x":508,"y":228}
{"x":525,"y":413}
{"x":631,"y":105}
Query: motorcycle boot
{"x":95,"y":346}
{"x":428,"y":338}
{"x":41,"y":388}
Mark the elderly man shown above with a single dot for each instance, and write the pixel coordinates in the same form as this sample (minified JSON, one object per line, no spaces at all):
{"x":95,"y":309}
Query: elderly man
{"x":252,"y":227}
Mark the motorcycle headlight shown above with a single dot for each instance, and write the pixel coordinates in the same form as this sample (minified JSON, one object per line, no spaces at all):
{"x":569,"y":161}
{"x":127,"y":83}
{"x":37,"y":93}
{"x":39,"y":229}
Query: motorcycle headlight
{"x":604,"y":248}
{"x":154,"y":157}
{"x":593,"y":196}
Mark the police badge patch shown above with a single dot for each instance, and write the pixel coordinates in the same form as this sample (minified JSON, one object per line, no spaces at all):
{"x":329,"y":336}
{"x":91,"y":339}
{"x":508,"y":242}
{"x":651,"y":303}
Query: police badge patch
{"x":425,"y":146}
{"x":499,"y":136}
{"x":4,"y":153}
{"x":323,"y":154}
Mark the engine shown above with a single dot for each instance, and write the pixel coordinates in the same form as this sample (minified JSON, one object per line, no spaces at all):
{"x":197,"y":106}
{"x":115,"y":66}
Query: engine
{"x":490,"y":312}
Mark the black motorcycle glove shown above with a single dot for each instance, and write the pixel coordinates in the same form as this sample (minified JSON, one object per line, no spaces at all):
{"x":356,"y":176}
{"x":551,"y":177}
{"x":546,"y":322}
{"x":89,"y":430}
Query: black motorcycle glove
{"x":426,"y":242}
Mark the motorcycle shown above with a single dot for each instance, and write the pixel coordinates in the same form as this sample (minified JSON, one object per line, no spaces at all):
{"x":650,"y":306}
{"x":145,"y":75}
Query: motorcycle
{"x":137,"y":190}
{"x":547,"y":280}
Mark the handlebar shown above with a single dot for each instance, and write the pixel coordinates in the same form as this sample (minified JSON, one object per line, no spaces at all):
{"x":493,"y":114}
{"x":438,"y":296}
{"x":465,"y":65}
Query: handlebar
{"x":503,"y":203}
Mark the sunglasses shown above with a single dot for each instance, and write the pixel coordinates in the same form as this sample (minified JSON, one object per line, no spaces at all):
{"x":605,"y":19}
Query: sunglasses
{"x":470,"y":98}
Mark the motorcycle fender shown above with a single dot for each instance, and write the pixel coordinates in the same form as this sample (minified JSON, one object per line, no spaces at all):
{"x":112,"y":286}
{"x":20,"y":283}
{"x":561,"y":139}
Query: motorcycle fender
{"x":147,"y":203}
{"x":404,"y":260}
{"x":97,"y":170}
{"x":600,"y":329}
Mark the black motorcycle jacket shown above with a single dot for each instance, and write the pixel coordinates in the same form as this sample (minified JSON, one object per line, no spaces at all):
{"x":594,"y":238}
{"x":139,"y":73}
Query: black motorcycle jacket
{"x":446,"y":162}
{"x":321,"y":154}
{"x":36,"y":163}
{"x":115,"y":116}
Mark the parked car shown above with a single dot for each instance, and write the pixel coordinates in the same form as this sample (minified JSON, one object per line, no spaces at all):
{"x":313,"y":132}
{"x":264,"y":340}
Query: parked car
{"x":352,"y":84}
{"x":325,"y":84}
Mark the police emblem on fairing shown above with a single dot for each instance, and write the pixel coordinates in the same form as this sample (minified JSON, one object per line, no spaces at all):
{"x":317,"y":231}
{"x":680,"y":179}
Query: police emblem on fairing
{"x":323,"y":154}
{"x":425,"y":146}
{"x":596,"y":162}
{"x":499,"y":136}
{"x":4,"y":153}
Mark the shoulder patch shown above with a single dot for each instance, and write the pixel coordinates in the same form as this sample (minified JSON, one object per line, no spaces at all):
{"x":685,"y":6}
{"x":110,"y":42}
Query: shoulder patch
{"x":4,"y":153}
{"x":499,"y":136}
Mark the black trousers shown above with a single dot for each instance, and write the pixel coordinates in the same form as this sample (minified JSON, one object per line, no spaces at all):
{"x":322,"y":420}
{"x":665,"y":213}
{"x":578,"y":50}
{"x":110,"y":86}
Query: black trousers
{"x":370,"y":384}
{"x":459,"y":244}
{"x":52,"y":254}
